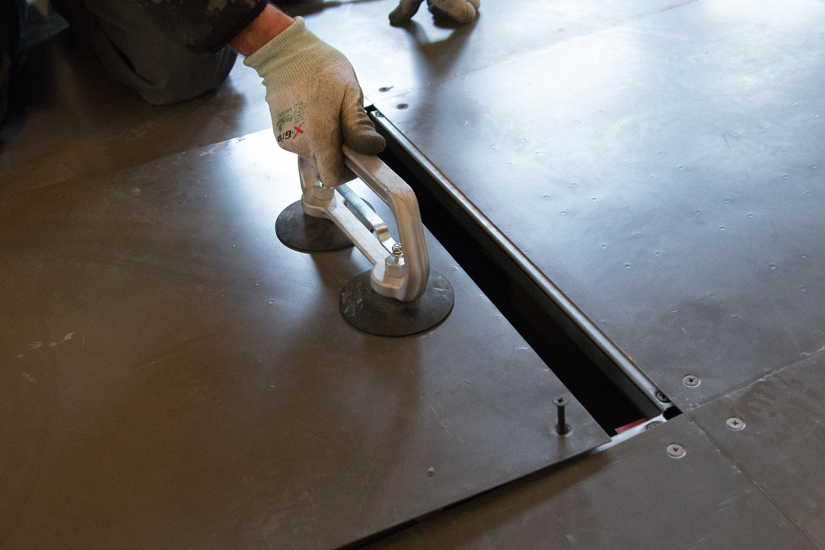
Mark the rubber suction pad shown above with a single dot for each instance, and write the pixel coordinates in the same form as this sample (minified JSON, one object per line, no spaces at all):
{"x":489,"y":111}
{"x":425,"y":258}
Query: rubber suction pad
{"x":308,"y":233}
{"x":372,"y":313}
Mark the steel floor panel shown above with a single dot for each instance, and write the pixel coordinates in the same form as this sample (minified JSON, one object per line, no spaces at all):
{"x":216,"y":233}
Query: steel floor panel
{"x":780,"y":442}
{"x":172,"y":376}
{"x":634,"y":495}
{"x":391,"y":60}
{"x":664,"y":173}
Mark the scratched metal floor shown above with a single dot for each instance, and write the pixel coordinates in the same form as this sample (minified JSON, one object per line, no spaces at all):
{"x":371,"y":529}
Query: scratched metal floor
{"x":658,"y":164}
{"x":172,"y":376}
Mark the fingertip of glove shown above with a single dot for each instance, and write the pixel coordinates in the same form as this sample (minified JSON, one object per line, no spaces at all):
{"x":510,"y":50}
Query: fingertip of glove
{"x":339,"y":178}
{"x":370,"y":143}
{"x":399,"y":17}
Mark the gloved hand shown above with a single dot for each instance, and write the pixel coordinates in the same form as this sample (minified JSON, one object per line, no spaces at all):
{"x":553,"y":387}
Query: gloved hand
{"x":315,"y":101}
{"x":460,"y":11}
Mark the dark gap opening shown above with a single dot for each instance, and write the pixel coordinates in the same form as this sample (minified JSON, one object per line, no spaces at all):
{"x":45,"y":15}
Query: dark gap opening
{"x":611,"y":407}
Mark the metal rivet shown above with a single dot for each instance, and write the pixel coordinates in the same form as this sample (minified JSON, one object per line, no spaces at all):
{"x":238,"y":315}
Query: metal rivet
{"x":397,"y":250}
{"x":735,"y":424}
{"x":662,"y":397}
{"x":691,"y":380}
{"x":561,"y":427}
{"x":676,"y":451}
{"x":402,"y":106}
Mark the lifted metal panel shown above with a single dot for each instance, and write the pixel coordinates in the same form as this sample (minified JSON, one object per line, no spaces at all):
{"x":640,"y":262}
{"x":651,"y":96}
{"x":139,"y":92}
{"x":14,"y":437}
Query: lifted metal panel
{"x":774,"y":430}
{"x":665,"y":174}
{"x":633,"y":495}
{"x":172,"y":376}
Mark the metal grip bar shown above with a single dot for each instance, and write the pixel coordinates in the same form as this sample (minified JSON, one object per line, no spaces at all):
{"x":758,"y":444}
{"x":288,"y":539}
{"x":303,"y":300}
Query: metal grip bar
{"x":367,"y":216}
{"x":401,"y":200}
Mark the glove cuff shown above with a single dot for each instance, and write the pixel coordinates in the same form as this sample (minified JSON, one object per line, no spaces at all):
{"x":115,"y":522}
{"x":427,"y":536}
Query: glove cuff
{"x":292,"y":55}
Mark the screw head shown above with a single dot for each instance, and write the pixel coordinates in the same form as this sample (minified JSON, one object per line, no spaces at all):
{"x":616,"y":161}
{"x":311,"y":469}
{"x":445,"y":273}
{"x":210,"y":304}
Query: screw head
{"x":735,"y":424}
{"x":662,"y":397}
{"x":385,"y":88}
{"x":560,"y":401}
{"x":397,"y":250}
{"x":691,"y":380}
{"x":676,"y":451}
{"x":402,"y":106}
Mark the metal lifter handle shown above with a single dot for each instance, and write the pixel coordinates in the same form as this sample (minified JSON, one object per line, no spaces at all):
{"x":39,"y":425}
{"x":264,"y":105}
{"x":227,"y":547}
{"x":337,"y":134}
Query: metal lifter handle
{"x":399,"y":272}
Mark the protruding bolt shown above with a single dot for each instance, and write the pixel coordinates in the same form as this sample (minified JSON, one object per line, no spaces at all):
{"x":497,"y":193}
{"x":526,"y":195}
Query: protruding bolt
{"x":561,"y":428}
{"x":735,"y":424}
{"x":321,"y":192}
{"x":394,"y":264}
{"x":691,"y":380}
{"x":676,"y":451}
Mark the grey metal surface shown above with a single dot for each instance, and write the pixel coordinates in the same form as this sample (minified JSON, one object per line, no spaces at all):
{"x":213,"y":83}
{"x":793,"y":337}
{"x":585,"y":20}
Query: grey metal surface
{"x":391,"y":61}
{"x":664,"y":173}
{"x":634,"y":495}
{"x":774,"y":431}
{"x":172,"y":376}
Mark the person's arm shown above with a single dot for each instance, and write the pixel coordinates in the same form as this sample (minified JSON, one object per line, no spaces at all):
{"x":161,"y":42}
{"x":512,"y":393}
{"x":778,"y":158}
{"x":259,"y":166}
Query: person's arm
{"x":201,"y":26}
{"x":270,"y":23}
{"x":314,"y":98}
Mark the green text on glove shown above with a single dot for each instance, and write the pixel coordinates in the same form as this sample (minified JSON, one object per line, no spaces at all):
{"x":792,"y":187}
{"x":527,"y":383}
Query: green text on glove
{"x":294,"y":115}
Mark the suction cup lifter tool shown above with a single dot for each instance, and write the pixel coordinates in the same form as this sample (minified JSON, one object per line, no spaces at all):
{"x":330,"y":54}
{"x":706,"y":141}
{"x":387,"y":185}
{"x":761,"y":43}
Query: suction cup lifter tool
{"x":399,"y":295}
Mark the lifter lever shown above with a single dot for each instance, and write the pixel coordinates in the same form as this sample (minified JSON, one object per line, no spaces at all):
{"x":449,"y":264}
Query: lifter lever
{"x":398,"y":296}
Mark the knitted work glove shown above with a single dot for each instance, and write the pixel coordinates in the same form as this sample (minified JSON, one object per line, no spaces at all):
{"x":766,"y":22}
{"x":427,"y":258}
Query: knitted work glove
{"x":315,"y":101}
{"x":460,"y":11}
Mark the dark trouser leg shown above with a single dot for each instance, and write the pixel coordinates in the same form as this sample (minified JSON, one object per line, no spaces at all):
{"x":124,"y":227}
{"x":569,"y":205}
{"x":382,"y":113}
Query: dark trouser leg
{"x":136,"y":54}
{"x":12,"y":14}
